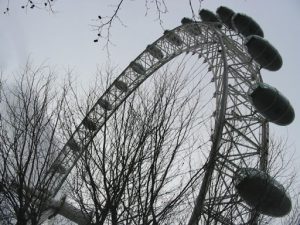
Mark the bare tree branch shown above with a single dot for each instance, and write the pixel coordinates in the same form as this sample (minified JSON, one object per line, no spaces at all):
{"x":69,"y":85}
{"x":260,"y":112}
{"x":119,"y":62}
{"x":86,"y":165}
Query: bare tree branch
{"x":30,"y":112}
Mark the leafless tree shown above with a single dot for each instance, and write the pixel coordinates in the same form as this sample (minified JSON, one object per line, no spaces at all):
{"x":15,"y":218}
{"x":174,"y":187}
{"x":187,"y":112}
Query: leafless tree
{"x":281,"y":167}
{"x":104,"y":23}
{"x":29,"y":5}
{"x":109,"y":15}
{"x":140,"y":168}
{"x":143,"y":167}
{"x":30,"y":113}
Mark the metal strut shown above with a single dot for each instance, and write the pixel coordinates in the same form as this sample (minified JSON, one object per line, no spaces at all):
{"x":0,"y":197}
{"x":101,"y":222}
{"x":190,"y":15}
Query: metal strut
{"x":207,"y":43}
{"x":219,"y":124}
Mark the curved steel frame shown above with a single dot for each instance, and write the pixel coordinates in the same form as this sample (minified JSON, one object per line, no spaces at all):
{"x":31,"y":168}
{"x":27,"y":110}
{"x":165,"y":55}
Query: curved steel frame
{"x":240,"y":137}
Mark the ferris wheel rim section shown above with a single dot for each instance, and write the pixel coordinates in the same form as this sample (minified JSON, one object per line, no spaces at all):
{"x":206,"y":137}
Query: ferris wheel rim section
{"x":216,"y":139}
{"x":170,"y":50}
{"x":189,"y":43}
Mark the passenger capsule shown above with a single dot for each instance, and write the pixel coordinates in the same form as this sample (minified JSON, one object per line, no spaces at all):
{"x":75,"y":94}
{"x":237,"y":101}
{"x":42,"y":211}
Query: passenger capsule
{"x":269,"y":102}
{"x":138,"y":68}
{"x":186,"y":20}
{"x":105,"y":104}
{"x":246,"y":25}
{"x":263,"y":53}
{"x":208,"y":16}
{"x":121,"y":85}
{"x":155,"y":52}
{"x":89,"y":124}
{"x":262,"y":192}
{"x":193,"y":28}
{"x":58,"y":168}
{"x":173,"y":38}
{"x":225,"y":14}
{"x":73,"y":145}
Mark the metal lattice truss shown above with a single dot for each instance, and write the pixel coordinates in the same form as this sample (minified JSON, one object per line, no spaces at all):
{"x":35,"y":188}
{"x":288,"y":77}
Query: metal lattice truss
{"x":240,"y":135}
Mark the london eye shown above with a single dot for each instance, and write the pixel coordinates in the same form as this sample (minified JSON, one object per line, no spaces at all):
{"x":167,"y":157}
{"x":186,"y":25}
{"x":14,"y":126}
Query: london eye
{"x":235,"y":187}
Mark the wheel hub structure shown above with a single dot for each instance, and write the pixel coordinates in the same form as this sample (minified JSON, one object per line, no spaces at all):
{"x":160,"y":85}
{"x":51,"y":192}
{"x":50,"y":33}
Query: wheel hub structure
{"x":239,"y":137}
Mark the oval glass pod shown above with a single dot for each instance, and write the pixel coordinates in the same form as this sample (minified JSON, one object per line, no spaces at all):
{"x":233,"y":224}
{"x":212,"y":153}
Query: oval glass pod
{"x":105,"y":104}
{"x":121,"y":85}
{"x":246,"y":25}
{"x":262,"y":192}
{"x":58,"y":168}
{"x":225,"y":14}
{"x":269,"y":102}
{"x":138,"y":68}
{"x":73,"y":145}
{"x":173,"y":37}
{"x":186,"y":20}
{"x":89,"y":124}
{"x":192,"y":28}
{"x":209,"y":16}
{"x":263,"y":53}
{"x":155,"y":51}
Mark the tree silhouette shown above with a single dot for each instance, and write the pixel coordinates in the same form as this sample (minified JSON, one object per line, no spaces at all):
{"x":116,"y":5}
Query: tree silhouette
{"x":30,"y":112}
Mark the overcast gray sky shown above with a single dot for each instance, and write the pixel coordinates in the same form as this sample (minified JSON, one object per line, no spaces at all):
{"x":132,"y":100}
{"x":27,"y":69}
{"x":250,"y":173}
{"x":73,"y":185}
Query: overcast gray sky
{"x":65,"y":40}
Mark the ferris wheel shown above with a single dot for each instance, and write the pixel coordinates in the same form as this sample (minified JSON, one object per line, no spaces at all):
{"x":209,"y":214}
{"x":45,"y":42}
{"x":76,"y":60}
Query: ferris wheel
{"x":235,"y":188}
